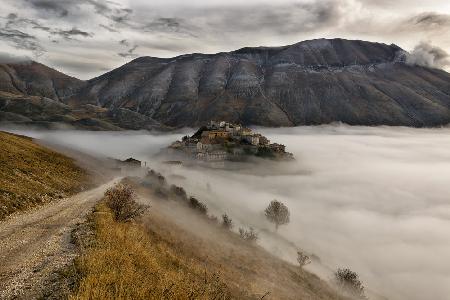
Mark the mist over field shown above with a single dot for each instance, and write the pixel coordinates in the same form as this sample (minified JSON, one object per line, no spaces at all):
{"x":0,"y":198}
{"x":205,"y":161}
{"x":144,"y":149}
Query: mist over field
{"x":372,"y":199}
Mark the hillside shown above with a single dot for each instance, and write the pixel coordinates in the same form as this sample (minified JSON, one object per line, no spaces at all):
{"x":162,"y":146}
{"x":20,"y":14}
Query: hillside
{"x":311,"y":82}
{"x":35,"y":79}
{"x":31,"y":174}
{"x":173,"y":252}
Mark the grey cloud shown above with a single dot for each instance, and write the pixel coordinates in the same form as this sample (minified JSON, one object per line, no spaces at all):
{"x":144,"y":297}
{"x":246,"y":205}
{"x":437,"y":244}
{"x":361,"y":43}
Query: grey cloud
{"x":431,"y":20}
{"x":129,"y":52}
{"x":110,"y":29}
{"x":58,"y":7}
{"x":21,"y":40}
{"x":14,"y":22}
{"x":69,"y":34}
{"x":427,"y":55}
{"x":281,"y":19}
{"x":11,"y":16}
{"x":7,"y":58}
{"x":114,"y":12}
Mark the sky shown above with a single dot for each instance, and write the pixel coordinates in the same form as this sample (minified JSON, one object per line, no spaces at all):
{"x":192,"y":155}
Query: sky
{"x":86,"y":38}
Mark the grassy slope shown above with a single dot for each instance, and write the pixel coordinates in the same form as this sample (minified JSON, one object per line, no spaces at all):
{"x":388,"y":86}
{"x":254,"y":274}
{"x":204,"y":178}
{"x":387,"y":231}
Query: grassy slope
{"x":157,"y":258}
{"x":31,"y":174}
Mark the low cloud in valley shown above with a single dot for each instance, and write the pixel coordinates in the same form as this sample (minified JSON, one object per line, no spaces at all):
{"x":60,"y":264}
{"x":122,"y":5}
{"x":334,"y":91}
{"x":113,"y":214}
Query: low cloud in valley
{"x":372,"y":199}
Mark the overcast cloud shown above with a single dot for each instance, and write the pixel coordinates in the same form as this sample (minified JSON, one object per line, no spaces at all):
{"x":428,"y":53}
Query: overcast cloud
{"x":91,"y":32}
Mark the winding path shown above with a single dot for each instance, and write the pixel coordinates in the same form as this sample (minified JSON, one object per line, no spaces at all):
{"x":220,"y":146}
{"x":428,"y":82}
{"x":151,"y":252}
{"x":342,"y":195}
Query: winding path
{"x":35,"y":244}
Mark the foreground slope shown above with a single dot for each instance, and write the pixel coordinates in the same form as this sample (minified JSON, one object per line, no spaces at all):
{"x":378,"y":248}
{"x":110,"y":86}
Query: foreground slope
{"x":173,"y":252}
{"x":31,"y":174}
{"x":311,"y":82}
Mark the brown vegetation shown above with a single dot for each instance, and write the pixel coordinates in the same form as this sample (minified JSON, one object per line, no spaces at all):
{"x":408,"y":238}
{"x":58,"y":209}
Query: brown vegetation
{"x":125,"y":262}
{"x":349,"y":284}
{"x":121,"y":200}
{"x":249,"y":235}
{"x":303,"y":259}
{"x":31,"y":174}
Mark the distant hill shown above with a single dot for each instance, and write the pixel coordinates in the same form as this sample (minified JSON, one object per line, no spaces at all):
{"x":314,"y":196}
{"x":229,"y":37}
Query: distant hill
{"x":31,"y":174}
{"x":311,"y":82}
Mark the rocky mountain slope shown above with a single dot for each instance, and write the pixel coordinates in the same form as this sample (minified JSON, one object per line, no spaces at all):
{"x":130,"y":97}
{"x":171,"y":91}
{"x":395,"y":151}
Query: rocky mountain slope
{"x":35,"y":79}
{"x":311,"y":82}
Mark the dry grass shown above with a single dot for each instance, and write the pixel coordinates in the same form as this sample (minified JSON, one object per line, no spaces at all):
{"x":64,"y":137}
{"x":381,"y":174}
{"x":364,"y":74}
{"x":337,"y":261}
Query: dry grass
{"x":31,"y":174}
{"x":125,"y":262}
{"x":173,"y":252}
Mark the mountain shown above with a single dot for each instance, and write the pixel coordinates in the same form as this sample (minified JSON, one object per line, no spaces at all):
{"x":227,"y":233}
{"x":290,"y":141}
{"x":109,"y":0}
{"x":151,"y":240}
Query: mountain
{"x":35,"y":79}
{"x":34,"y":94}
{"x":311,"y":82}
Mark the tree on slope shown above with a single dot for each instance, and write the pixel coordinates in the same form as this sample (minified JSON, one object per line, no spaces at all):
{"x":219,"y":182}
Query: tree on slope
{"x":277,"y":213}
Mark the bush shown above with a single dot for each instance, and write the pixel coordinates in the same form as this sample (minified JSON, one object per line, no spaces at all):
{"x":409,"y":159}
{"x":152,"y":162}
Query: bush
{"x":154,"y":178}
{"x":121,"y":199}
{"x":248,"y":235}
{"x":179,"y":192}
{"x":197,"y":205}
{"x":227,"y":222}
{"x":303,"y":259}
{"x":349,"y":284}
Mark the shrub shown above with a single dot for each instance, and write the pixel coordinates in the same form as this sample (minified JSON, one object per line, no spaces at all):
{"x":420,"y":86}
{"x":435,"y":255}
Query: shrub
{"x":277,"y":213}
{"x":121,"y":199}
{"x":349,"y":284}
{"x":197,"y":205}
{"x":248,"y":235}
{"x":154,"y":178}
{"x":303,"y":259}
{"x":161,"y":180}
{"x":227,"y":222}
{"x":179,"y":192}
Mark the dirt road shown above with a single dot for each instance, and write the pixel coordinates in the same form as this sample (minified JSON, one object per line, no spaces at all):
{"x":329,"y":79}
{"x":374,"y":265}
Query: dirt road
{"x":35,"y":244}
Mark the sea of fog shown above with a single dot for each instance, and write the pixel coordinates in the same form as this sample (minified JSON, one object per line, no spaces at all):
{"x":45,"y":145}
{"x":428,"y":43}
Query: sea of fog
{"x":376,"y":200}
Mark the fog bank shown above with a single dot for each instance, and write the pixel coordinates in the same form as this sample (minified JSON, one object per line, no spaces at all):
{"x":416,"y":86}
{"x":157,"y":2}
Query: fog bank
{"x":373,"y":199}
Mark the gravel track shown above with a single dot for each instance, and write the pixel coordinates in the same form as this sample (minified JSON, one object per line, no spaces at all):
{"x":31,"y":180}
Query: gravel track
{"x":35,"y":244}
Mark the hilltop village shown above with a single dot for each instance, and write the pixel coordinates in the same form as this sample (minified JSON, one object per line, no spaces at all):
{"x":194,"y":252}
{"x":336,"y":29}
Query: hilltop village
{"x":223,"y":141}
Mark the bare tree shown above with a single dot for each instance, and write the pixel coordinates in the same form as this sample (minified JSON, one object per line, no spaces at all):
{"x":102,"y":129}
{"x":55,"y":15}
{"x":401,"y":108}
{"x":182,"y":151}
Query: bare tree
{"x":121,"y":199}
{"x":349,"y":284}
{"x":277,"y":213}
{"x":303,"y":259}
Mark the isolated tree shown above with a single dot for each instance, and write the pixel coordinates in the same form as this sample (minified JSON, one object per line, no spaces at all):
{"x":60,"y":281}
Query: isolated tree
{"x":303,"y":259}
{"x":277,"y":213}
{"x":349,"y":284}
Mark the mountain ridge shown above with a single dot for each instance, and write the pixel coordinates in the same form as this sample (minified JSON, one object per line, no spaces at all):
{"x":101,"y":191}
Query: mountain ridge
{"x":307,"y":83}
